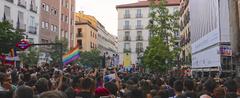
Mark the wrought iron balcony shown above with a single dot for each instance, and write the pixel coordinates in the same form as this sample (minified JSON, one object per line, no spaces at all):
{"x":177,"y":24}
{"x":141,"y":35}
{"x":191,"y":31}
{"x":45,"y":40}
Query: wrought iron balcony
{"x":127,"y":50}
{"x":139,"y":15}
{"x":139,"y":38}
{"x":127,"y":27}
{"x":139,"y":50}
{"x":32,"y":29}
{"x":127,"y":16}
{"x":139,"y":27}
{"x":22,"y":3}
{"x":33,"y":8}
{"x":10,"y":1}
{"x":127,"y":38}
{"x":21,"y":27}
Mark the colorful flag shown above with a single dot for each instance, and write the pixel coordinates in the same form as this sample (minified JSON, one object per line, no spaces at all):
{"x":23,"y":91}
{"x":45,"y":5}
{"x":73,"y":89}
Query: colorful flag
{"x":127,"y":60}
{"x":71,"y":56}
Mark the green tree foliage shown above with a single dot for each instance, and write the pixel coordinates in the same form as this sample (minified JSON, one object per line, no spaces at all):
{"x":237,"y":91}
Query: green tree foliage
{"x":55,"y":51}
{"x":162,"y":51}
{"x":30,"y":57}
{"x":8,"y":36}
{"x":91,"y":58}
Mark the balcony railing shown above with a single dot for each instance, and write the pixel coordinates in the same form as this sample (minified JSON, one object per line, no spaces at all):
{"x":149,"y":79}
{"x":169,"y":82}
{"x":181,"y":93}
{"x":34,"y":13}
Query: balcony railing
{"x":139,"y":15}
{"x":127,"y":16}
{"x":139,"y":27}
{"x":22,"y":3}
{"x":79,"y":35}
{"x":127,"y":50}
{"x":21,"y":27}
{"x":126,"y":27}
{"x":10,"y":1}
{"x":138,"y":50}
{"x":127,"y":38}
{"x":33,"y":8}
{"x":32,"y":29}
{"x":139,"y":38}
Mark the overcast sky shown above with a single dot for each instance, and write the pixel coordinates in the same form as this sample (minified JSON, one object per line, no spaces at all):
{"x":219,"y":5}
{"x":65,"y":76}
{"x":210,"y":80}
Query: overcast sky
{"x":104,"y":10}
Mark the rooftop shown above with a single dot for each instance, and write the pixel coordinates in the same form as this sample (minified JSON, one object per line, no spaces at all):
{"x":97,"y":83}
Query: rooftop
{"x":147,"y":3}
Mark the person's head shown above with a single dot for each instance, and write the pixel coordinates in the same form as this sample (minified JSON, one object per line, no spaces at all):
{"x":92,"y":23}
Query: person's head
{"x":230,"y":85}
{"x":219,"y":92}
{"x":209,"y":85}
{"x":136,"y":93}
{"x":188,"y":85}
{"x":237,"y":80}
{"x":112,"y":87}
{"x":87,"y":84}
{"x":24,"y":92}
{"x":53,"y":94}
{"x":178,"y":86}
{"x":42,"y":85}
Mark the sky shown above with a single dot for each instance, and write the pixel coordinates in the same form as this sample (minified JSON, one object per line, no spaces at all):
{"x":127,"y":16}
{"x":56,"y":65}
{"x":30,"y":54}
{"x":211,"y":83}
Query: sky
{"x":103,"y":10}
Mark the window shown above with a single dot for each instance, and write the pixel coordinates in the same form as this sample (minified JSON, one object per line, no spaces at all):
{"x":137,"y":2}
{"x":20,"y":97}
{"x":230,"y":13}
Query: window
{"x":66,"y":35}
{"x":43,"y":6}
{"x":79,"y":32}
{"x":46,"y":25}
{"x":21,"y":18}
{"x":66,"y":4}
{"x":66,"y":19}
{"x":52,"y":27}
{"x":72,"y":8}
{"x":126,"y":26}
{"x":62,"y":32}
{"x":32,"y":21}
{"x":80,"y":43}
{"x":55,"y":28}
{"x":7,"y":12}
{"x":62,"y":17}
{"x":127,"y":14}
{"x":55,"y":12}
{"x":127,"y":46}
{"x":43,"y":24}
{"x":63,"y":2}
{"x":139,"y":24}
{"x":47,"y":8}
{"x":127,"y":36}
{"x":139,"y":13}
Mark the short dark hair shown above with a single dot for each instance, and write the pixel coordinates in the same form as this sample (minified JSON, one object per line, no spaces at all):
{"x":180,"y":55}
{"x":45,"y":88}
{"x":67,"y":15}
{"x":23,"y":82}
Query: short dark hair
{"x":42,"y":85}
{"x":188,"y":84}
{"x":24,"y":92}
{"x":87,"y":83}
{"x":231,"y":85}
{"x":178,"y":86}
{"x":209,"y":85}
{"x":53,"y":94}
{"x":112,"y":88}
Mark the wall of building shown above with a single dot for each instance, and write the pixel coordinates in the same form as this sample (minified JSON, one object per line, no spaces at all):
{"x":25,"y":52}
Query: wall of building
{"x":27,"y":23}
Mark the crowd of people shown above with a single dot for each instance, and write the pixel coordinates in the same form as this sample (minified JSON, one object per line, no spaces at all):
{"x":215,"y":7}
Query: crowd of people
{"x":79,"y":82}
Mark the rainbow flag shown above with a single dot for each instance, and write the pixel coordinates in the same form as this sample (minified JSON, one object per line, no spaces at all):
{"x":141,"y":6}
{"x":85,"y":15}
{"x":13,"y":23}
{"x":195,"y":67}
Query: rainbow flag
{"x":71,"y":56}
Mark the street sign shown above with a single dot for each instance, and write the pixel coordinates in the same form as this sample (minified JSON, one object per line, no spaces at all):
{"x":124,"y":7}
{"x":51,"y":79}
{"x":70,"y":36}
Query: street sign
{"x":23,"y":45}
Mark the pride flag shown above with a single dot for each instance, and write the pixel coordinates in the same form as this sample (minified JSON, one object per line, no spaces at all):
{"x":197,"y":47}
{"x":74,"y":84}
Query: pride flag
{"x":71,"y":56}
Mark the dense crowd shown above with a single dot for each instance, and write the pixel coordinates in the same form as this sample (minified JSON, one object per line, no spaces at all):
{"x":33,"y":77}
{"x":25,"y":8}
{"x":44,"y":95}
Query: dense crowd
{"x":79,"y":82}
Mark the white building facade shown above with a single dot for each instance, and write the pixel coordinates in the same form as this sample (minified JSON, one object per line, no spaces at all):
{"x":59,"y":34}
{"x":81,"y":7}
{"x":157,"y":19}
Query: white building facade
{"x":106,"y":42}
{"x":23,"y":15}
{"x":210,"y":37}
{"x":133,"y":35}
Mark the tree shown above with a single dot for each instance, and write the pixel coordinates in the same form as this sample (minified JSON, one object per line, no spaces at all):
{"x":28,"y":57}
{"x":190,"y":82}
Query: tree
{"x":30,"y":57}
{"x":8,"y":36}
{"x":90,"y":58}
{"x":162,"y":51}
{"x":55,"y":51}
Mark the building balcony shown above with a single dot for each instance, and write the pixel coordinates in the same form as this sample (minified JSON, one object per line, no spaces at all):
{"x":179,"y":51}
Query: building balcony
{"x":22,"y":3}
{"x":139,"y":15}
{"x":127,"y":16}
{"x":127,"y":27}
{"x":127,"y":50}
{"x":33,"y":8}
{"x":10,"y":1}
{"x":139,"y":38}
{"x":127,"y":38}
{"x":139,"y":27}
{"x":21,"y":27}
{"x":32,"y":30}
{"x":139,"y":50}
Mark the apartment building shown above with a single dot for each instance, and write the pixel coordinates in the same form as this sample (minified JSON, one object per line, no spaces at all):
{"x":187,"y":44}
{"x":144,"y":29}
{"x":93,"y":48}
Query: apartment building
{"x":185,"y":34}
{"x":133,"y":36}
{"x":85,"y":31}
{"x":57,"y":21}
{"x":23,"y":15}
